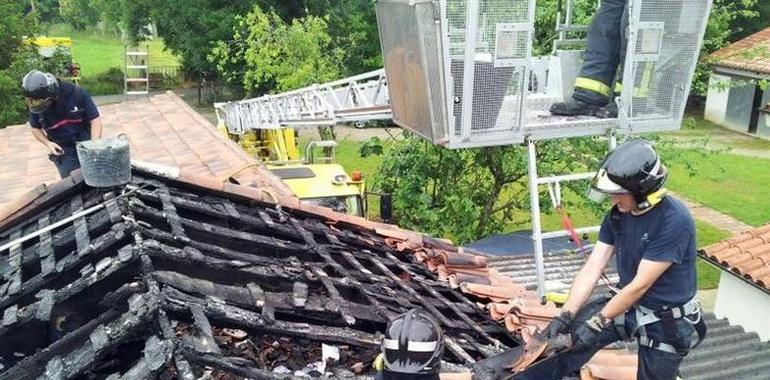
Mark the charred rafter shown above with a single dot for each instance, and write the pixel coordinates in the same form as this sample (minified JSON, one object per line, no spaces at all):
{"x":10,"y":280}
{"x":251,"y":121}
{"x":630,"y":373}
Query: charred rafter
{"x":150,"y":283}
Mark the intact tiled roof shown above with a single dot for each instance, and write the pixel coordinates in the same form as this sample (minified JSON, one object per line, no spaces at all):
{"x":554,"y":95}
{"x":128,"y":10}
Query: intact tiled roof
{"x":202,"y":273}
{"x":746,"y":254}
{"x":749,"y":54}
{"x":161,"y":129}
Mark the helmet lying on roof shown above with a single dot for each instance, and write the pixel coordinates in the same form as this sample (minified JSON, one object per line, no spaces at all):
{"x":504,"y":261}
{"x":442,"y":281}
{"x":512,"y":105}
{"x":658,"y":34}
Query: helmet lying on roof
{"x":413,"y":344}
{"x":633,"y":167}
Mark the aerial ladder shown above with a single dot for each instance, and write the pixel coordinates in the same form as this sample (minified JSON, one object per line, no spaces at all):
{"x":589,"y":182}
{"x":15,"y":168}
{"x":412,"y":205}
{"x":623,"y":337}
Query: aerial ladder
{"x":462,"y":74}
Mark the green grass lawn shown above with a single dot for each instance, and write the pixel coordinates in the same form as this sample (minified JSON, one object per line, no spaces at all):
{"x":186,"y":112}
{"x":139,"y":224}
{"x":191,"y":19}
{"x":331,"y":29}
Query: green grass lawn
{"x":708,"y":275}
{"x":97,"y":52}
{"x":734,"y":185}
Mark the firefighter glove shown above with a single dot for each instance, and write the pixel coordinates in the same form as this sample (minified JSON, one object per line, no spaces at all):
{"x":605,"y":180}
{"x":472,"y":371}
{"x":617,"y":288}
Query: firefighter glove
{"x":588,"y":333}
{"x":558,"y":325}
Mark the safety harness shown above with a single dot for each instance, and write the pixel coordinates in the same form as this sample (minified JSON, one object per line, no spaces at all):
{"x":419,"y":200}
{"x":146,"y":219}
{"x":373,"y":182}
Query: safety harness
{"x":690,"y":312}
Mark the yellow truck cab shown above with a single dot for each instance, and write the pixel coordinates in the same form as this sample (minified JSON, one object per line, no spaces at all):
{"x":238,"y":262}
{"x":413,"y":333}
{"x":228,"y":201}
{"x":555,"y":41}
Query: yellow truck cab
{"x":324,"y":185}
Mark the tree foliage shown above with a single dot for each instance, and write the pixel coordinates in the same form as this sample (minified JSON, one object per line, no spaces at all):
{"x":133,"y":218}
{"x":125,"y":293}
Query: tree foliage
{"x":79,"y":13}
{"x":16,"y":59}
{"x":470,"y":193}
{"x":269,"y":53}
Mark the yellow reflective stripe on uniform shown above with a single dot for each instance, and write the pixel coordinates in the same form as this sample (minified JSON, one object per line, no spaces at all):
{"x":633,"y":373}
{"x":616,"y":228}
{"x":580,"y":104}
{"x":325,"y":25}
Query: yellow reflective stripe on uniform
{"x":592,"y":85}
{"x":618,"y":87}
{"x":379,"y":363}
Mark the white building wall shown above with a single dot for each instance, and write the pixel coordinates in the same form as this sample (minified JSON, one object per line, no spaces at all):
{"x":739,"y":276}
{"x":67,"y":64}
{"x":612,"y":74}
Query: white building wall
{"x":716,"y":100}
{"x":743,"y":305}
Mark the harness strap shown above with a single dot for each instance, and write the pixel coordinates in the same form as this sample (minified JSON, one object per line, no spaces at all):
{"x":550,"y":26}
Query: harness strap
{"x":668,"y":316}
{"x":620,"y":326}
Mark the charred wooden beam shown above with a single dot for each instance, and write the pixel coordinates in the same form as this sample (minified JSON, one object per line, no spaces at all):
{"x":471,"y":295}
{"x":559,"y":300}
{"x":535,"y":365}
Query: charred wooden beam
{"x":80,"y":226}
{"x":207,"y":343}
{"x":272,"y":245}
{"x":314,"y":309}
{"x":45,"y":252}
{"x":211,"y":250}
{"x":266,"y":271}
{"x":13,"y":275}
{"x":103,"y":339}
{"x":233,"y":294}
{"x":99,"y":245}
{"x":32,"y":366}
{"x":156,"y":354}
{"x":169,"y":211}
{"x":226,"y":210}
{"x":337,"y":304}
{"x":41,"y":309}
{"x":182,"y":365}
{"x":176,"y":301}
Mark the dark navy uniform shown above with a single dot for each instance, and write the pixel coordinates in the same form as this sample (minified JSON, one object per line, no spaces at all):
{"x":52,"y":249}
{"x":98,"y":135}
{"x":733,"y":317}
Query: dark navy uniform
{"x":664,"y":233}
{"x":604,"y":51}
{"x":67,"y":122}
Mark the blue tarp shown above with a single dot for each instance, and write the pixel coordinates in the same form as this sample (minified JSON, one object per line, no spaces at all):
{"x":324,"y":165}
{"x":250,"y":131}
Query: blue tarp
{"x":519,"y":243}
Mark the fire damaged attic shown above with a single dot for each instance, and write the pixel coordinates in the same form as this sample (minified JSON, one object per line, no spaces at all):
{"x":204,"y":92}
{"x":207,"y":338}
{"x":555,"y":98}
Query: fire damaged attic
{"x":164,"y":278}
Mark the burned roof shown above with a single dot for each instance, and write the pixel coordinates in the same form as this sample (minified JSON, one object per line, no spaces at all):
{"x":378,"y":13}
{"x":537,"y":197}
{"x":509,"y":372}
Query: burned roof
{"x":169,"y":279}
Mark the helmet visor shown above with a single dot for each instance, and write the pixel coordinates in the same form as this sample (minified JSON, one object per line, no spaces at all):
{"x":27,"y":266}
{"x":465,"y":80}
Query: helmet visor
{"x":602,"y":186}
{"x":38,"y":106}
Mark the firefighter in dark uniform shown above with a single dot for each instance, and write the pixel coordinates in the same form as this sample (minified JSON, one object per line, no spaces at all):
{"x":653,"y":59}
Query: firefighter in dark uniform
{"x":605,"y":46}
{"x":61,"y":114}
{"x":652,"y":236}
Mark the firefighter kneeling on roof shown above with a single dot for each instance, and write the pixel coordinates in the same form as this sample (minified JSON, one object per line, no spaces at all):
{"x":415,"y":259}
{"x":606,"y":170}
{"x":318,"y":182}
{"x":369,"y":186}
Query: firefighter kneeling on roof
{"x":652,"y":236}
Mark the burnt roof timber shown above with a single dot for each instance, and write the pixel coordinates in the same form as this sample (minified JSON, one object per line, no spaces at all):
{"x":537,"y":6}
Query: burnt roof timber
{"x":304,"y":263}
{"x":218,"y":310}
{"x":67,"y":263}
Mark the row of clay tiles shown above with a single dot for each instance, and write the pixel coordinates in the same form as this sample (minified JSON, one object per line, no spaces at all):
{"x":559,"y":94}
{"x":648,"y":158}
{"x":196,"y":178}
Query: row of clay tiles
{"x":747,"y":254}
{"x":509,"y":303}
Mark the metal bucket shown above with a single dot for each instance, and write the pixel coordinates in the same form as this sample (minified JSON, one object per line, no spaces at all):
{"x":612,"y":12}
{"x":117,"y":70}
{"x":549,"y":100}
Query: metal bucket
{"x":105,"y":162}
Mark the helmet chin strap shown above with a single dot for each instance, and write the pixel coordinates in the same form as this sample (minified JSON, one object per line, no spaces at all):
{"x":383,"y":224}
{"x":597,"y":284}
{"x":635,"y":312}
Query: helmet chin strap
{"x":651,"y":200}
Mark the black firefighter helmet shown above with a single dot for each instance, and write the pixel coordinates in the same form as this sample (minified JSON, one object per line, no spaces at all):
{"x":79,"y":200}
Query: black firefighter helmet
{"x":41,"y":89}
{"x":633,"y":167}
{"x":413,"y":344}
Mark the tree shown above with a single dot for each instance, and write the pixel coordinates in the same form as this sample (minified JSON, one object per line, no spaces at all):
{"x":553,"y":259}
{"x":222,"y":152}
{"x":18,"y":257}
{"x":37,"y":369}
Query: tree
{"x":266,"y":53}
{"x":352,"y":25}
{"x":78,"y":13}
{"x":467,"y":194}
{"x":16,"y":59}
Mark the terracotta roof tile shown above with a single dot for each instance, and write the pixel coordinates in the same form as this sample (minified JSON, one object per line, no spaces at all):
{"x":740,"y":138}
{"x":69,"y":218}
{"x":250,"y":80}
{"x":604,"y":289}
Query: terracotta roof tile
{"x":746,"y":254}
{"x":750,"y":54}
{"x":161,"y":129}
